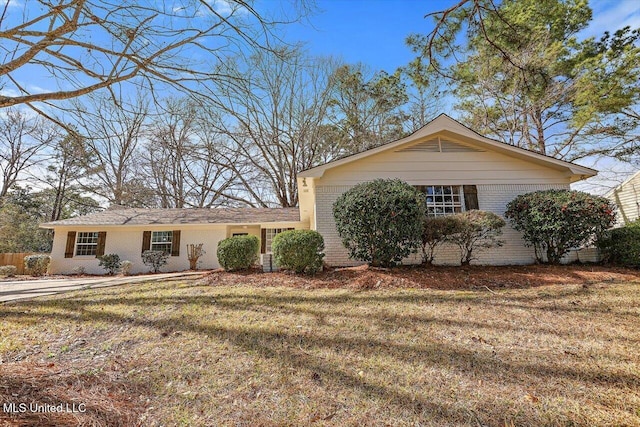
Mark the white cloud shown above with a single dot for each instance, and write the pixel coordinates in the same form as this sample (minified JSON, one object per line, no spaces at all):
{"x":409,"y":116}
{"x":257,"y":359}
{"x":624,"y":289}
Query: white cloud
{"x":37,"y":89}
{"x":612,"y":15}
{"x":9,"y":92}
{"x":226,"y":8}
{"x":12,"y":3}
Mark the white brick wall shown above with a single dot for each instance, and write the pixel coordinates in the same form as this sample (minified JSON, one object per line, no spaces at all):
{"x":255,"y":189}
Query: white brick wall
{"x":491,"y":197}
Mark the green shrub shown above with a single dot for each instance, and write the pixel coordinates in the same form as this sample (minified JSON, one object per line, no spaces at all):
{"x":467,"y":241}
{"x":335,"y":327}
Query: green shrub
{"x":621,"y":246}
{"x":473,"y":231}
{"x":8,"y":270}
{"x":554,"y":221}
{"x":155,"y":260}
{"x":110,"y":262}
{"x":36,"y":265}
{"x":380,"y":222}
{"x":238,"y":252}
{"x":435,"y":231}
{"x":299,"y":250}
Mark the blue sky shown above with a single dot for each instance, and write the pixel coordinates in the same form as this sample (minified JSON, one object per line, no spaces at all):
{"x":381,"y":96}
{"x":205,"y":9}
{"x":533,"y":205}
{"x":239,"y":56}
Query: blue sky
{"x":368,"y":31}
{"x":373,"y":31}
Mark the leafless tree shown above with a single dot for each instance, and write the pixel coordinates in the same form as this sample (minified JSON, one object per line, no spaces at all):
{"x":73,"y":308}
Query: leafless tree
{"x":425,"y":91}
{"x":113,"y":136}
{"x":23,"y":138}
{"x":87,"y":45}
{"x":273,"y":120}
{"x":182,"y":157}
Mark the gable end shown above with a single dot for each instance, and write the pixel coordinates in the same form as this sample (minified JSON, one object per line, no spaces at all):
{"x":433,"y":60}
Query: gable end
{"x":439,"y":145}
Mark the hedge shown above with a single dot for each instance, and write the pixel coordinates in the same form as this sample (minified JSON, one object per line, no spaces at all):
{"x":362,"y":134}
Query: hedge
{"x":238,"y":252}
{"x":299,"y":250}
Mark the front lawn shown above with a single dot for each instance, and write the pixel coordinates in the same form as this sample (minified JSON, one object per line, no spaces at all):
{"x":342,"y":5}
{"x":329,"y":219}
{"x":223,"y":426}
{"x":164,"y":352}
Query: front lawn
{"x":230,"y":351}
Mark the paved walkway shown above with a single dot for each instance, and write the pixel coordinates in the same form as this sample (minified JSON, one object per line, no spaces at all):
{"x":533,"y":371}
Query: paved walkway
{"x":35,"y":288}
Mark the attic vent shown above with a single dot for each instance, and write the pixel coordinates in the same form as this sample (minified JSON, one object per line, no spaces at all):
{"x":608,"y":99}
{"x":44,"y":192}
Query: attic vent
{"x":439,"y":145}
{"x":431,"y":146}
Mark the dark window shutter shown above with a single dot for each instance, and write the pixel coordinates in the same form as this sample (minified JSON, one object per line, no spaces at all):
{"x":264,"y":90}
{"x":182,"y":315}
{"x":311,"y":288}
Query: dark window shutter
{"x":146,"y":241}
{"x":175,"y":243}
{"x":71,"y":243}
{"x":102,"y":237}
{"x":470,"y":197}
{"x":263,"y":241}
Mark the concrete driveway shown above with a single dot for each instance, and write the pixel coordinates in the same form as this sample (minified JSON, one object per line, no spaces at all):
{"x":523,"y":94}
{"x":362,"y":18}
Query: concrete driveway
{"x":15,"y":290}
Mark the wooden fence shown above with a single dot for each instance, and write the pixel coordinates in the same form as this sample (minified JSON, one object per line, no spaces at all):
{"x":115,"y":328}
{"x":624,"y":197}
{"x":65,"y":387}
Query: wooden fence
{"x":16,"y":259}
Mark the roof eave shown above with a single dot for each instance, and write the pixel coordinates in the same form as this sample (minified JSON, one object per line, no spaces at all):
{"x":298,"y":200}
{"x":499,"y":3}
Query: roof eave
{"x":53,"y":225}
{"x":439,"y":125}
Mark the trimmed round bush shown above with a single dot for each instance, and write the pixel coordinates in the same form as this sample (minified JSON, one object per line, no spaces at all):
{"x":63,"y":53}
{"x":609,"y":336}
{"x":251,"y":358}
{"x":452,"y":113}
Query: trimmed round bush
{"x":238,"y":252}
{"x":554,"y":221}
{"x":36,"y":265}
{"x":299,"y":250}
{"x":8,"y":270}
{"x":621,"y":246}
{"x":380,"y":222}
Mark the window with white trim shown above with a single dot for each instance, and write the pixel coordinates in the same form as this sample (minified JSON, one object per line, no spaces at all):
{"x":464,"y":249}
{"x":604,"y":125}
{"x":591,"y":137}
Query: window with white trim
{"x":86,"y":243}
{"x":269,"y":234}
{"x":161,"y":241}
{"x":443,"y":199}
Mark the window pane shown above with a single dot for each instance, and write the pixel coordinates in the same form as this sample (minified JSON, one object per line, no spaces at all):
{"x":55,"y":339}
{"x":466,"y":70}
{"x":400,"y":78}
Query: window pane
{"x":161,"y":241}
{"x":86,"y":243}
{"x":270,"y":233}
{"x":443,"y":199}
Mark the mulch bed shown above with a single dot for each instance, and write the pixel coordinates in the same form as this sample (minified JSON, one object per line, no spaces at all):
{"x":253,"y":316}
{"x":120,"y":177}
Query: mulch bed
{"x":433,"y":277}
{"x":90,"y":396}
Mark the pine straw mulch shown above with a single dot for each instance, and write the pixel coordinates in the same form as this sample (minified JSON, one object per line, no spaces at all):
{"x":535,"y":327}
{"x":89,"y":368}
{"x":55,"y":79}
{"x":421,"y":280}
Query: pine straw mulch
{"x":433,"y":277}
{"x":91,"y":396}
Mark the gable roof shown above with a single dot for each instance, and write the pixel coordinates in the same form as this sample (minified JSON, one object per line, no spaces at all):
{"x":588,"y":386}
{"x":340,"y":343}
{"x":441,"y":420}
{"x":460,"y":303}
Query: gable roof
{"x":444,"y":123}
{"x":141,"y":216}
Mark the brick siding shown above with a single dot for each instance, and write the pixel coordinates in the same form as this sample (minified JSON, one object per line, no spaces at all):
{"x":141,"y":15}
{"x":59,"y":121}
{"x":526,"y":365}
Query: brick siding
{"x":491,"y":197}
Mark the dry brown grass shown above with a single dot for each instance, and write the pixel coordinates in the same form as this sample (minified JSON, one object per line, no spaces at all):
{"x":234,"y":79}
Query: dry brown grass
{"x":222,"y":352}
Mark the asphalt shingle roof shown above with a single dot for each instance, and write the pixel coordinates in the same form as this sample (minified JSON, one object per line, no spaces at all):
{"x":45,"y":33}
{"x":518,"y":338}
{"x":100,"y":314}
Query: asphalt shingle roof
{"x":139,"y":216}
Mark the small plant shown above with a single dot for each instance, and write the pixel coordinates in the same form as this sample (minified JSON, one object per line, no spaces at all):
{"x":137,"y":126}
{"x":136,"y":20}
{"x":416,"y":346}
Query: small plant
{"x":79,"y":270}
{"x":476,"y":230}
{"x":194,"y":252}
{"x":36,"y":265}
{"x":621,"y":246}
{"x":155,"y":260}
{"x":110,"y":262}
{"x":125,"y":267}
{"x":435,"y":232}
{"x":8,"y":270}
{"x":554,"y":221}
{"x":299,"y":250}
{"x":238,"y":252}
{"x":380,"y":222}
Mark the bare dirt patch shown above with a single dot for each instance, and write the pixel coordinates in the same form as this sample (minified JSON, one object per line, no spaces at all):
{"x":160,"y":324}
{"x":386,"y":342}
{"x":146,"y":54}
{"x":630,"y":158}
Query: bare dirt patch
{"x":436,"y":277}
